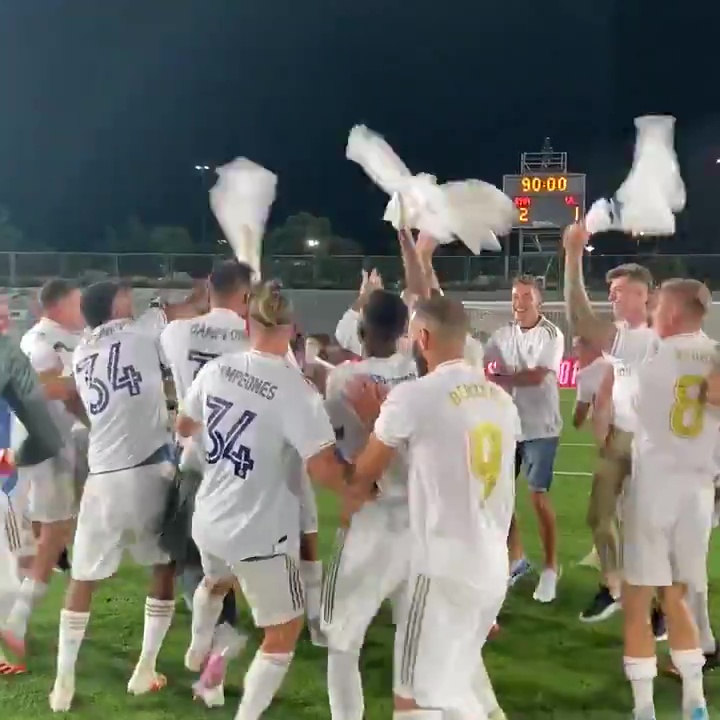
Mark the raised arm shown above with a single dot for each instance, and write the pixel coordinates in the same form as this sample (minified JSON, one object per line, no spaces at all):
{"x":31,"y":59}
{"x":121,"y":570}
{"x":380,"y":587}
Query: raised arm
{"x":581,"y":316}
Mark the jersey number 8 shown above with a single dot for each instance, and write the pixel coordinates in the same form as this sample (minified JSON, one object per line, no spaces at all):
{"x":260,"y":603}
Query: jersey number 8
{"x":687,"y":414}
{"x":485,"y":445}
{"x":227,"y":445}
{"x":118,"y":378}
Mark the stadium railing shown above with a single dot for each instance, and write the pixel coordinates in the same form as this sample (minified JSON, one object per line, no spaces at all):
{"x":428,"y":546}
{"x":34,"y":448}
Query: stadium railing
{"x":485,"y":272}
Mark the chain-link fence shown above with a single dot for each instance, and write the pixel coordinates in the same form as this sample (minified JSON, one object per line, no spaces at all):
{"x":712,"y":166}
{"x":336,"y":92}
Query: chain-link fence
{"x":485,"y":272}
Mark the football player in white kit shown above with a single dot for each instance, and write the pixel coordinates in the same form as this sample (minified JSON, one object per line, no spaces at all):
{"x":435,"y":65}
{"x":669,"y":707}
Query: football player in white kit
{"x":460,"y":432}
{"x":53,"y":500}
{"x":668,"y":503}
{"x":188,"y":344}
{"x":372,"y":555}
{"x":626,"y":344}
{"x":256,"y":413}
{"x":118,"y":375}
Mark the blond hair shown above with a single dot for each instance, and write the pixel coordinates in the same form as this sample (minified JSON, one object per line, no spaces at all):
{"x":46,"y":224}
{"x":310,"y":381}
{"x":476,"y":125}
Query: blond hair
{"x":694,"y":295}
{"x":269,"y":307}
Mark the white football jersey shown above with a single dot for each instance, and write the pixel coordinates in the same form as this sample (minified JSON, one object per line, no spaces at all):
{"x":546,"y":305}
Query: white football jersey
{"x":631,"y":349}
{"x":258,"y":413}
{"x":351,"y":434}
{"x":188,"y":344}
{"x":515,"y":349}
{"x":589,"y":379}
{"x":460,"y":430}
{"x":674,"y":431}
{"x":119,"y":378}
{"x":49,"y":346}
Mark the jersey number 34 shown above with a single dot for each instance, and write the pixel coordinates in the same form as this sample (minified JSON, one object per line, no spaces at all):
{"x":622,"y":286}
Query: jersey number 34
{"x":118,"y":378}
{"x":228,"y":445}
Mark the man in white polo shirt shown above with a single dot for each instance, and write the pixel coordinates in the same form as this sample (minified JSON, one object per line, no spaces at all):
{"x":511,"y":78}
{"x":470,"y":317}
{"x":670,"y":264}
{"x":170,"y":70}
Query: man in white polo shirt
{"x":527,"y":354}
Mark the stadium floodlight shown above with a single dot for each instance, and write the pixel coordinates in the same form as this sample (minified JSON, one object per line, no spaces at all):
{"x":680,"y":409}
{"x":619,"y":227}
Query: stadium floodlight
{"x":312,"y":243}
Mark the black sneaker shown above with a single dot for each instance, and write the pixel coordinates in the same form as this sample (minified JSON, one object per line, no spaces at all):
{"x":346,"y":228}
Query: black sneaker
{"x":63,"y":563}
{"x":657,"y":619}
{"x":603,"y":606}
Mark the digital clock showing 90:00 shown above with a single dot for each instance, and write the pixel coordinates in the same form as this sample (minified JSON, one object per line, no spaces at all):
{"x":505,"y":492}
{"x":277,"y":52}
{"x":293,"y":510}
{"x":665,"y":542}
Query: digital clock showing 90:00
{"x":546,"y":199}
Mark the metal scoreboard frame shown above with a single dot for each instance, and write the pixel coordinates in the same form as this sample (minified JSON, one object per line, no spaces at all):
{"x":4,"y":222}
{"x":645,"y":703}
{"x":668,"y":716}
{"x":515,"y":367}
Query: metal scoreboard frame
{"x":547,"y":198}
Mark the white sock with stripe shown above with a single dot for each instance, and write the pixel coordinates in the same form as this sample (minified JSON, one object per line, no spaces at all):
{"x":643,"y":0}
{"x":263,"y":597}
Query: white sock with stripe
{"x":262,"y":680}
{"x":72,"y":632}
{"x":158,"y":618}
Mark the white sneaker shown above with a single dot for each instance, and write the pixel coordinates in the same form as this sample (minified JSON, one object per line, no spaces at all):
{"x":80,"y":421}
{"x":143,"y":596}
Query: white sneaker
{"x":546,"y":590}
{"x":62,"y":695}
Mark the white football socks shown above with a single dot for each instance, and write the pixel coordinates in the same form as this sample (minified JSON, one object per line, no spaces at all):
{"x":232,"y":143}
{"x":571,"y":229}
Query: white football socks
{"x":641,"y":672}
{"x":158,"y":618}
{"x":262,"y":681}
{"x":345,"y":690}
{"x":689,"y":664}
{"x":205,"y":614}
{"x":72,"y":632}
{"x":31,"y":591}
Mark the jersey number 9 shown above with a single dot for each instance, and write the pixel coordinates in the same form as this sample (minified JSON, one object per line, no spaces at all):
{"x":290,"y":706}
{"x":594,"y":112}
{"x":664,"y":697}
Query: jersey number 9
{"x":227,"y":445}
{"x":485,"y":445}
{"x":687,"y":413}
{"x":118,"y":378}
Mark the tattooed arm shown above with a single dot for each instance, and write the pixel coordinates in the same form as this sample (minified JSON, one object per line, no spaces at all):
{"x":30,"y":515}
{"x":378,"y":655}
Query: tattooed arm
{"x":580,"y":314}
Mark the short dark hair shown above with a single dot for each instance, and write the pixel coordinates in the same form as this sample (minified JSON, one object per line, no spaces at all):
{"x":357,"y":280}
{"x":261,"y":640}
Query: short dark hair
{"x":633,"y":271}
{"x":97,"y":301}
{"x":230,"y":276}
{"x":53,"y":291}
{"x":447,"y":314}
{"x":385,"y":315}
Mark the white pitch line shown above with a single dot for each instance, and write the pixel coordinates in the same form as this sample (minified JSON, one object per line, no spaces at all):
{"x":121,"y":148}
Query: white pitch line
{"x":577,"y":445}
{"x":582,"y":474}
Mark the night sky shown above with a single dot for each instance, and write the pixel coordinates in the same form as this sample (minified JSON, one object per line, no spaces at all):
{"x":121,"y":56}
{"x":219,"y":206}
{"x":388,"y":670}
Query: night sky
{"x":106,"y":105}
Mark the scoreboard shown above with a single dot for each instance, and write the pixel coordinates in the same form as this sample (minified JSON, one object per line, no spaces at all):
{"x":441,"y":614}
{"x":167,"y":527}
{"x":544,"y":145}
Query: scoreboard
{"x":546,"y":200}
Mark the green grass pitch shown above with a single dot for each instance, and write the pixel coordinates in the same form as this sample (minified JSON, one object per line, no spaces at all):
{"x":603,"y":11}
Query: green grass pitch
{"x":544,"y":664}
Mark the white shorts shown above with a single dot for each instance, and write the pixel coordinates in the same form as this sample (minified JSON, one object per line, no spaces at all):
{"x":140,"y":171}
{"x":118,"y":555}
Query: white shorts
{"x":438,"y":644}
{"x":666,"y":538}
{"x":371,"y":563}
{"x":121,"y":511}
{"x":53,"y":491}
{"x":271,"y":586}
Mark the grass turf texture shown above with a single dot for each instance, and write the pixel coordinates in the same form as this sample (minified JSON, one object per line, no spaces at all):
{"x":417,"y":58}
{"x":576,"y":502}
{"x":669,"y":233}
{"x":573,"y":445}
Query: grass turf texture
{"x":544,"y":664}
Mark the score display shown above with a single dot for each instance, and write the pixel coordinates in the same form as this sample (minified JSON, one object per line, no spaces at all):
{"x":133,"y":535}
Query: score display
{"x":544,"y":200}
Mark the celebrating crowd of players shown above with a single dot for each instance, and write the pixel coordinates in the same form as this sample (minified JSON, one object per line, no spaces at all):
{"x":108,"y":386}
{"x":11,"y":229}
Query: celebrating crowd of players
{"x":421,"y":448}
